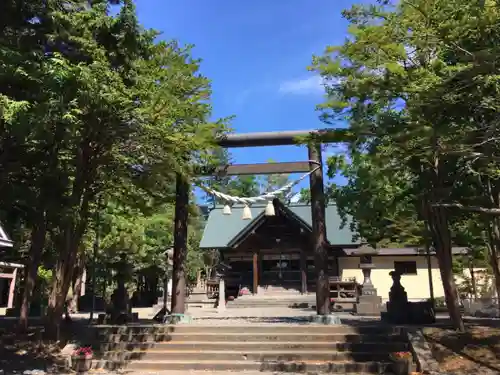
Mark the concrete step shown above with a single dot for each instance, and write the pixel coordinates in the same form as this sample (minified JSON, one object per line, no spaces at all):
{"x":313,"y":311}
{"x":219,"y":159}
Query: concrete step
{"x":270,"y":299}
{"x":305,"y":328}
{"x":246,"y":355}
{"x":252,"y":337}
{"x":342,"y":367}
{"x":202,"y":372}
{"x":292,"y":305}
{"x":277,"y":296}
{"x":258,"y":345}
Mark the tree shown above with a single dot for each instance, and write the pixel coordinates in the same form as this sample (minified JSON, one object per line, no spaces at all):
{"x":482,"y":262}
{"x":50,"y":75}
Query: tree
{"x":305,"y":196}
{"x":221,"y":157}
{"x":380,"y":201}
{"x":404,"y":80}
{"x":272,"y":182}
{"x":81,"y":139}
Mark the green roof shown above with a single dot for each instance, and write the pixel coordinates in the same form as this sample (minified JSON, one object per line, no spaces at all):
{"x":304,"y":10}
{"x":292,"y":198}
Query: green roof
{"x":221,"y":229}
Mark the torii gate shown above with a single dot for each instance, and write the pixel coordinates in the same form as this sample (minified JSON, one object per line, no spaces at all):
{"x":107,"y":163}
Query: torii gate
{"x":280,"y":138}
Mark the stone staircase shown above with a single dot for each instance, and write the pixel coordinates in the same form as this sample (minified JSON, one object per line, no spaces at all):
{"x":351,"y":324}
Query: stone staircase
{"x":252,"y":347}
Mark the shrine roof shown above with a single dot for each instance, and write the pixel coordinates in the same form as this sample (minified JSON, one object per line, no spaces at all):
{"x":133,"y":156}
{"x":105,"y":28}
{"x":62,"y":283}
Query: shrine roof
{"x":221,"y":229}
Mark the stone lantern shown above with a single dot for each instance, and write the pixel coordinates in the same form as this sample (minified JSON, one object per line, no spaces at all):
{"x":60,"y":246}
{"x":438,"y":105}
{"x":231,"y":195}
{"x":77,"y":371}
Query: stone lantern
{"x":369,"y":303}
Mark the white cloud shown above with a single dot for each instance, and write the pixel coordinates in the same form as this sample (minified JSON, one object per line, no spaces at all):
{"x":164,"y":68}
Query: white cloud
{"x":303,"y":86}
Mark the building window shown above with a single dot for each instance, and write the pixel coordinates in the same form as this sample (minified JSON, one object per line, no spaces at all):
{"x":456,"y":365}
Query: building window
{"x":406,"y":267}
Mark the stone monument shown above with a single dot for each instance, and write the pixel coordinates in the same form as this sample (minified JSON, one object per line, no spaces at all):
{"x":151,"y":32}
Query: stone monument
{"x":397,"y":306}
{"x":163,"y":304}
{"x":369,"y":303}
{"x":120,"y":310}
{"x":401,"y":311}
{"x":221,"y":271}
{"x":397,"y":294}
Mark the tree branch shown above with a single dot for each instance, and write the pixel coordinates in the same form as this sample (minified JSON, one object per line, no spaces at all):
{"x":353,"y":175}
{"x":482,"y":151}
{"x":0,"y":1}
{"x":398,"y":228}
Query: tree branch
{"x":483,"y":210}
{"x":472,"y":154}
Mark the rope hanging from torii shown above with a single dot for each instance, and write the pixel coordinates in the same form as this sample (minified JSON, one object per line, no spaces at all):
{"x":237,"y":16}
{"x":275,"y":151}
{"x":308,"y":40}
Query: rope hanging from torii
{"x":230,"y":200}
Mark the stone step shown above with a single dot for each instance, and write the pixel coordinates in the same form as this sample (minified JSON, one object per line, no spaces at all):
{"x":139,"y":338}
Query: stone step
{"x":341,"y":367}
{"x":246,"y":355}
{"x":246,"y":305}
{"x":278,"y":294}
{"x":254,"y":345}
{"x":277,"y":329}
{"x":272,"y":302}
{"x":223,"y":372}
{"x":252,"y":337}
{"x":270,"y":298}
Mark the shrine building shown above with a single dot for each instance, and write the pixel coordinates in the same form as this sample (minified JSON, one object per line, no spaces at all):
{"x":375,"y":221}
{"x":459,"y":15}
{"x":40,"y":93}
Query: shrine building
{"x":274,"y":252}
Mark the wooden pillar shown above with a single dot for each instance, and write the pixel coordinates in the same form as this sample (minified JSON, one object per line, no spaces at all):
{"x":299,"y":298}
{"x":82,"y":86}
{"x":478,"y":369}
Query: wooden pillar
{"x":180,"y":245}
{"x":12,"y":287}
{"x":303,"y":271}
{"x":255,"y":261}
{"x":319,"y":231}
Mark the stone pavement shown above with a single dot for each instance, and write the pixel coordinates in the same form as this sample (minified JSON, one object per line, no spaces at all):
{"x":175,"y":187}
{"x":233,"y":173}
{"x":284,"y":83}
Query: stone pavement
{"x":125,"y":372}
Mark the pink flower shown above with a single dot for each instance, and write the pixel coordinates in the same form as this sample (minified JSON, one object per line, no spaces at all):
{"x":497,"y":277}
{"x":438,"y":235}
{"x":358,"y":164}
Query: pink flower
{"x":83,"y":352}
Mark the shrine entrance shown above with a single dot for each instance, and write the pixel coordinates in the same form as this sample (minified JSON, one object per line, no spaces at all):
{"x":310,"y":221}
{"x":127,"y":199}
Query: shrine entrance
{"x":280,"y":270}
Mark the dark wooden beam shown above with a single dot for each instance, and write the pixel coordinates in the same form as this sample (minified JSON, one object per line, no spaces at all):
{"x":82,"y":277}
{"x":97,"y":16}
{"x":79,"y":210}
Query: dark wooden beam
{"x":255,"y":267}
{"x":258,"y":169}
{"x":319,"y":232}
{"x":279,"y":138}
{"x":303,"y":271}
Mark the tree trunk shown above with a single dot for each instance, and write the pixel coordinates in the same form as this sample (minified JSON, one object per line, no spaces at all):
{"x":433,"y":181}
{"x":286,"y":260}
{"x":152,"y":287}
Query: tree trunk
{"x":180,"y":245}
{"x":438,"y":225}
{"x":473,"y":280}
{"x":78,"y":281}
{"x":73,"y":226}
{"x":38,"y":236}
{"x":436,"y":180}
{"x":62,"y":277}
{"x":493,"y":250}
{"x":68,"y":246}
{"x":493,"y":229}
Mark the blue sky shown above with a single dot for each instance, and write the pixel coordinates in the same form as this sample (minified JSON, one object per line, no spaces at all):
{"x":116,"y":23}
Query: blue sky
{"x":256,"y":53}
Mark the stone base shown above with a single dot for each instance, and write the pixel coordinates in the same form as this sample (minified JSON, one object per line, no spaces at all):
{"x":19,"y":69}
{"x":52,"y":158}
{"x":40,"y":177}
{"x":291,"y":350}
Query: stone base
{"x":331,"y":319}
{"x":409,"y":313}
{"x":177,"y":319}
{"x":368,"y":305}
